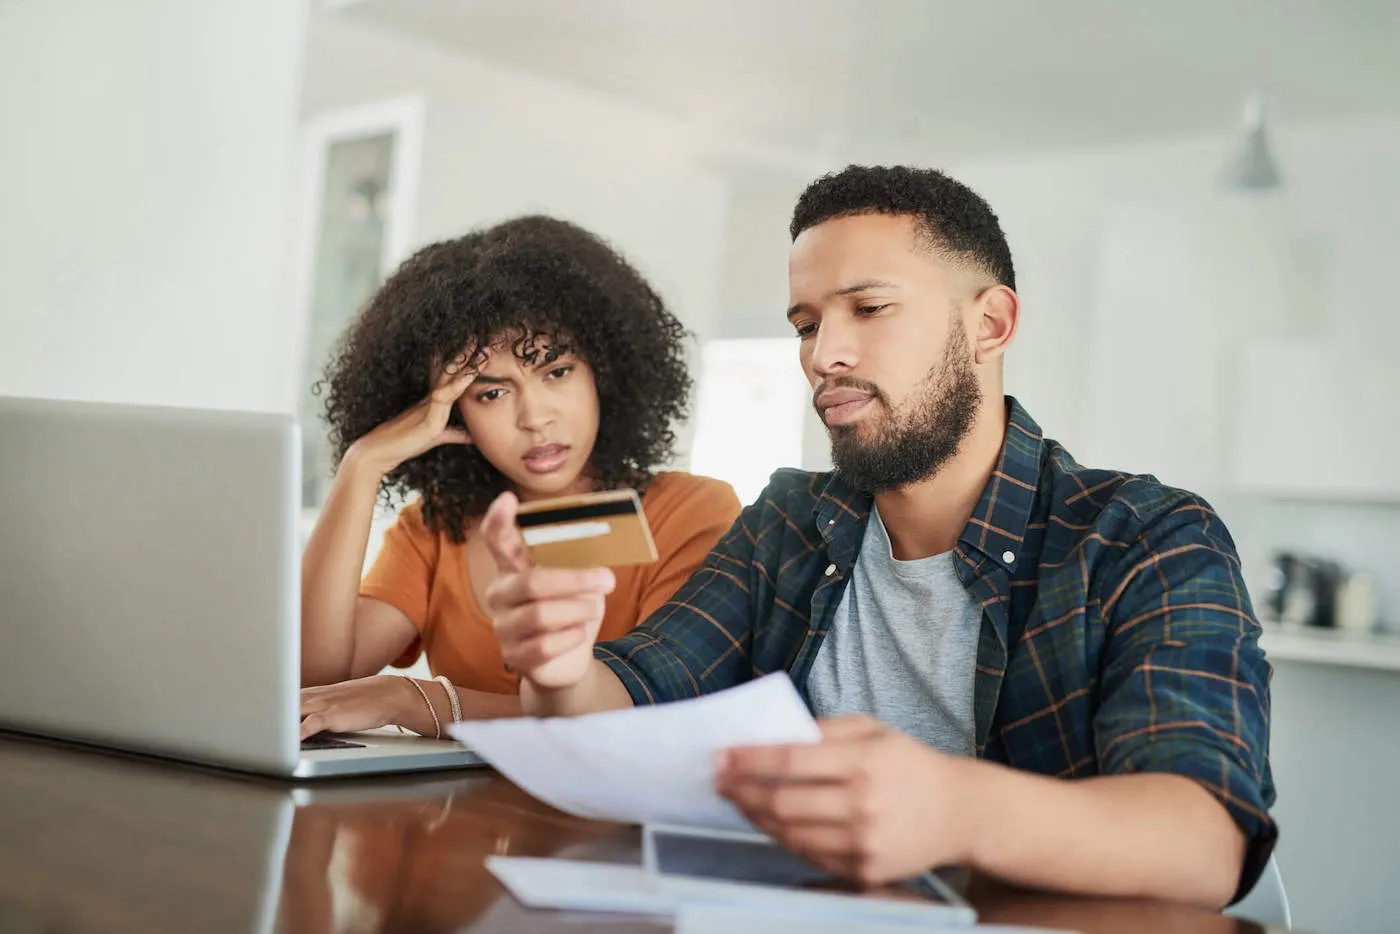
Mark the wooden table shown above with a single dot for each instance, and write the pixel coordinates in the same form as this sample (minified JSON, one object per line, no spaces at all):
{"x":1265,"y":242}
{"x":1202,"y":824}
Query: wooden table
{"x":91,"y":841}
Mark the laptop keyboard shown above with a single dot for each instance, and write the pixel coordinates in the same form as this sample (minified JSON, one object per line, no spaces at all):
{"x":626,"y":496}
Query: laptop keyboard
{"x":326,"y":741}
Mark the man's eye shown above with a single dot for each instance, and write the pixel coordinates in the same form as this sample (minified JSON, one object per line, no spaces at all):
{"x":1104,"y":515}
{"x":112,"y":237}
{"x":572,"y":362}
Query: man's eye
{"x":559,"y":372}
{"x":806,"y":330}
{"x":871,"y":309}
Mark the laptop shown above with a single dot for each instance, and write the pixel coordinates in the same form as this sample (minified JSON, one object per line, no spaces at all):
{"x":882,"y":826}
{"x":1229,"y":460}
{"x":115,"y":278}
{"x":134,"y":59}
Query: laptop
{"x":150,"y":590}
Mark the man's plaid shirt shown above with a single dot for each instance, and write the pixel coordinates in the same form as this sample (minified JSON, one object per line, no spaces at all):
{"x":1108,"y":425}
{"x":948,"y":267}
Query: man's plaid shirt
{"x":1117,"y":635}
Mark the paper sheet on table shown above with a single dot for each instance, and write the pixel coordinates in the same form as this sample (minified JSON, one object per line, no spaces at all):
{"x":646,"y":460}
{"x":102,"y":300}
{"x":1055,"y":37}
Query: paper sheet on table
{"x":725,"y":919}
{"x":645,"y":764}
{"x":573,"y":885}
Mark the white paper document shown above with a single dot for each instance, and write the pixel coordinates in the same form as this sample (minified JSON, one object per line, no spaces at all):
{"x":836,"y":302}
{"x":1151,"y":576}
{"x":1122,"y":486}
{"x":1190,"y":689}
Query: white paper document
{"x":645,"y":764}
{"x":574,"y":885}
{"x":728,"y":919}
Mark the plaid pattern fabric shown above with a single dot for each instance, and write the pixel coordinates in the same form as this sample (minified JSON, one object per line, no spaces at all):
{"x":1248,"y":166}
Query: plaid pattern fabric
{"x":1117,"y":635}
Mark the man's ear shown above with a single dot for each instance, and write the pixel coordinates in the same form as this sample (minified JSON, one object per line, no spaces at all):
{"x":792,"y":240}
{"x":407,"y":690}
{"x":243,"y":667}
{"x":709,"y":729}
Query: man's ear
{"x":998,"y":316}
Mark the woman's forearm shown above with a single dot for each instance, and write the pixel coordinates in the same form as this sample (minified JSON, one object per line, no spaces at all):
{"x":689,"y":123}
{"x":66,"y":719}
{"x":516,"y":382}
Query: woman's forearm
{"x":330,"y":574}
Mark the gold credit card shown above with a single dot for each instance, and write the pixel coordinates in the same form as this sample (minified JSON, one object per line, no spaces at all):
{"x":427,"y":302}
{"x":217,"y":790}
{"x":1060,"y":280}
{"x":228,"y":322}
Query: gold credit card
{"x":593,"y":530}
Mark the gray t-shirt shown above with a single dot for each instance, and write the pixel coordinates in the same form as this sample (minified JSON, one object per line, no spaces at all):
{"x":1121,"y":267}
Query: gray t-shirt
{"x":902,"y":647}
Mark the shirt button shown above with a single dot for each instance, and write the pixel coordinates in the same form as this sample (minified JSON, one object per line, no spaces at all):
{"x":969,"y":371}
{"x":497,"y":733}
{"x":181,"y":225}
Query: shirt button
{"x":1008,"y":556}
{"x":830,"y":521}
{"x":830,"y":570}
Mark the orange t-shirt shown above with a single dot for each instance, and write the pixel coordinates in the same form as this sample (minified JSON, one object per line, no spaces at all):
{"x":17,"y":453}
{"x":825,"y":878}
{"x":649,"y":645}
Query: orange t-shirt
{"x":424,"y":575}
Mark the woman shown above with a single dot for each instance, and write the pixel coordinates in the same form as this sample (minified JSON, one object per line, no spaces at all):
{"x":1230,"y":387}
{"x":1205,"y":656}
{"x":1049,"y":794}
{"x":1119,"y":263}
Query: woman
{"x":527,"y":357}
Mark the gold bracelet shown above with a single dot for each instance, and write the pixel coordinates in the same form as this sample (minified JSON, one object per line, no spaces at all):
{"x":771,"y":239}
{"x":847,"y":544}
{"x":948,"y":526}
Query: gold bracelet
{"x":452,"y":700}
{"x":437,"y":725}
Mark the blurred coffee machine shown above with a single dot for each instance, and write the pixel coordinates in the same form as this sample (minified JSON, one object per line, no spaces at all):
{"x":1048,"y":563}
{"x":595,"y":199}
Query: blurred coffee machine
{"x":1307,"y":590}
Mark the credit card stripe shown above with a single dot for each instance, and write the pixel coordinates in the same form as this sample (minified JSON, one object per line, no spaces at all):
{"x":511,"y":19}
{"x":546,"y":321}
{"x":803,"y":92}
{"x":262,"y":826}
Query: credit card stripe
{"x":624,"y":507}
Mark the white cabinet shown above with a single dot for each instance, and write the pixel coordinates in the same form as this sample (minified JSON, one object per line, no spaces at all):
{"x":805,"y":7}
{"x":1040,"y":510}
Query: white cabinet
{"x":1318,"y":419}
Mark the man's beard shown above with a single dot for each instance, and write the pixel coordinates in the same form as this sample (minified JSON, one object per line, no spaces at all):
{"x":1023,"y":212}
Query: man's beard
{"x":915,"y":442}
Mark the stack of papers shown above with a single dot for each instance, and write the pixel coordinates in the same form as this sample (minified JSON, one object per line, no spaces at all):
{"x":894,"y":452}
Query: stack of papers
{"x":575,"y":885}
{"x":724,"y":919}
{"x":572,"y":885}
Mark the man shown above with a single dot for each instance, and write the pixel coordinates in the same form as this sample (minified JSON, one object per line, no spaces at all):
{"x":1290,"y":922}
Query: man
{"x":1048,"y":672}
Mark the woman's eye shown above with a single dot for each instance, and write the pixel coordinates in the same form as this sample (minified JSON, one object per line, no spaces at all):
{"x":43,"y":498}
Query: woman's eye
{"x":806,"y":330}
{"x":490,"y":395}
{"x":559,"y":372}
{"x":871,"y":309}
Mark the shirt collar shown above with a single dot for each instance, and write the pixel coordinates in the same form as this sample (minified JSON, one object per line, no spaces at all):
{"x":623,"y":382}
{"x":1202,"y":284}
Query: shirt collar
{"x":998,"y":524}
{"x":841,"y":512}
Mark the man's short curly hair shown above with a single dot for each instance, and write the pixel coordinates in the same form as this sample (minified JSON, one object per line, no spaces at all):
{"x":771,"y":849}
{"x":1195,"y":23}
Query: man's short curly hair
{"x":527,"y":280}
{"x":956,"y":220}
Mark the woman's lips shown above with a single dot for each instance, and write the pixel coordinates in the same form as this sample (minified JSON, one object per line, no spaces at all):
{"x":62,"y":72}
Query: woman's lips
{"x":546,"y":458}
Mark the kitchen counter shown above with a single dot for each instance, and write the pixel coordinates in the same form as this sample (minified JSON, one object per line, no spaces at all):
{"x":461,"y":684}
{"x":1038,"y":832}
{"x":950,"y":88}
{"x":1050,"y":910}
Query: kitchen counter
{"x":1375,"y":651}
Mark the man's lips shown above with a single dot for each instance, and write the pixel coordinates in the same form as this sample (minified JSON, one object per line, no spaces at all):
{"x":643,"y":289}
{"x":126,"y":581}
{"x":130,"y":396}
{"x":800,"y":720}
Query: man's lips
{"x":841,"y":406}
{"x":836,"y":397}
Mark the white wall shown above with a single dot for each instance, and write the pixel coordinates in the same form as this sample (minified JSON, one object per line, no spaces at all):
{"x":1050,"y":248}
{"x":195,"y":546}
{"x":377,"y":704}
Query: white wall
{"x":1306,"y":263}
{"x":147,"y":153}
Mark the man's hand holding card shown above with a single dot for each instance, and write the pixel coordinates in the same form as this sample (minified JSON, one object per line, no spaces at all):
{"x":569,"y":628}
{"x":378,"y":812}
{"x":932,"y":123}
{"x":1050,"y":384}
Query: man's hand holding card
{"x":552,"y":559}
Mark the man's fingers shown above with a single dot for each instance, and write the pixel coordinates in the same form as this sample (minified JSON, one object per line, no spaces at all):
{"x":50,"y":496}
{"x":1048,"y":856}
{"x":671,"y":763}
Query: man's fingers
{"x":554,"y":615}
{"x":538,"y":585}
{"x":823,"y":843}
{"x":530,"y":654}
{"x":832,"y":847}
{"x":514,"y":627}
{"x":854,"y":726}
{"x":792,"y":805}
{"x":811,"y":762}
{"x":841,"y":848}
{"x":502,"y":537}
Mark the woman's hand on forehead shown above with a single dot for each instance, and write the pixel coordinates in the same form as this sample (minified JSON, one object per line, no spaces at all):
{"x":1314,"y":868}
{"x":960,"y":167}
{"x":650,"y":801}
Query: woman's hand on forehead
{"x":464,"y":360}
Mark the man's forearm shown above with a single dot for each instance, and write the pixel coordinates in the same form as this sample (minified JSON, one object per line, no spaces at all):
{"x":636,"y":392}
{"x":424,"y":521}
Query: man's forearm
{"x":1148,"y":835}
{"x":599,"y":690}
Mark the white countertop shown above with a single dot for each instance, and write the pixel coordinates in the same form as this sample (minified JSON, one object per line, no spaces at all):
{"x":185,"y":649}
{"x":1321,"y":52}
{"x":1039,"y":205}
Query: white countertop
{"x":1376,"y":651}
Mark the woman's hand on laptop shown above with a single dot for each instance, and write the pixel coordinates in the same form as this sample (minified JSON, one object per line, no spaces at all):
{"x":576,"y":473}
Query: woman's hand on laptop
{"x":362,"y":704}
{"x":421,"y":428}
{"x":546,"y":619}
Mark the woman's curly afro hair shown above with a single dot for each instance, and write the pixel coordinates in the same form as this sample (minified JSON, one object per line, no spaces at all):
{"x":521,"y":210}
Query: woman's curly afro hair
{"x":528,"y":281}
